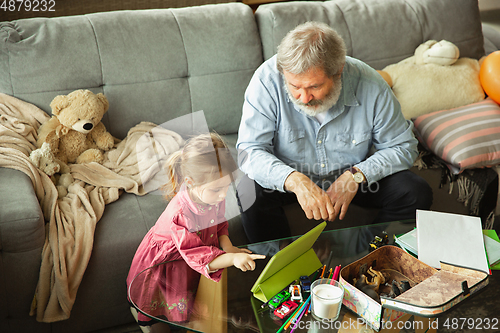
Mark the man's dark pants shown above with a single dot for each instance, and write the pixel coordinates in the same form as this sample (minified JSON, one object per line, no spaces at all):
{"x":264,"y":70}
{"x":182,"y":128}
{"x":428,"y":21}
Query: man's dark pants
{"x":397,"y":197}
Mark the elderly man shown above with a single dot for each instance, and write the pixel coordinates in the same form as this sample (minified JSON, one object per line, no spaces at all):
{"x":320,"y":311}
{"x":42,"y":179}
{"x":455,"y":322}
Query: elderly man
{"x":323,"y":129}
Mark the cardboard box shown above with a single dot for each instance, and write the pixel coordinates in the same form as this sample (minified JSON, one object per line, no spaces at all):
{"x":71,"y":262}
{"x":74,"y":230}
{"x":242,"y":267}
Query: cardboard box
{"x":432,"y":291}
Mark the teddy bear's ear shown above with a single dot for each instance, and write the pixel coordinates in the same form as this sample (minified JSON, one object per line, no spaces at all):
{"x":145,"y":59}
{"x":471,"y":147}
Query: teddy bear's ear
{"x":104,"y":101}
{"x":45,"y":147}
{"x":58,"y":103}
{"x":35,"y":157}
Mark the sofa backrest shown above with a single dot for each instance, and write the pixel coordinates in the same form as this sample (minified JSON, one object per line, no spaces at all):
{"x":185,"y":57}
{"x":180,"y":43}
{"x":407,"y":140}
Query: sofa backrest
{"x":382,"y":32}
{"x":153,"y":65}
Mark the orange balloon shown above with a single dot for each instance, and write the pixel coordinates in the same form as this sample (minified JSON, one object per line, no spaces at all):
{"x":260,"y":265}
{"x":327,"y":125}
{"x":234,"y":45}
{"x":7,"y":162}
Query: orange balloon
{"x":489,"y":76}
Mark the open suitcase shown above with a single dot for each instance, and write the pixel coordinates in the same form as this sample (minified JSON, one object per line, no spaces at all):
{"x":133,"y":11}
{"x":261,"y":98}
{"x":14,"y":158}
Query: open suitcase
{"x":431,"y":291}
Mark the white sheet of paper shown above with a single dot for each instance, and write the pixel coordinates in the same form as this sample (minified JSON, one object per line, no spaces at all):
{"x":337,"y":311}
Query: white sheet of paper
{"x":493,"y":250}
{"x":451,"y":238}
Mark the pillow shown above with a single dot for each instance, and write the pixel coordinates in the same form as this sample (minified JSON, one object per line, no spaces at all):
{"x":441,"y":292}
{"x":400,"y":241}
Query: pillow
{"x":465,"y":137}
{"x":421,"y":89}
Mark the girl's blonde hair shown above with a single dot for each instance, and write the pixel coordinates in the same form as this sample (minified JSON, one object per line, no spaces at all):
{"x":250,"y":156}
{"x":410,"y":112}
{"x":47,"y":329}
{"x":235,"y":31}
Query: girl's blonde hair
{"x":204,"y":158}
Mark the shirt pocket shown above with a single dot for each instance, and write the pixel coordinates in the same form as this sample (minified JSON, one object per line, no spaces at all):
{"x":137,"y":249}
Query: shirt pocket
{"x":356,"y":144}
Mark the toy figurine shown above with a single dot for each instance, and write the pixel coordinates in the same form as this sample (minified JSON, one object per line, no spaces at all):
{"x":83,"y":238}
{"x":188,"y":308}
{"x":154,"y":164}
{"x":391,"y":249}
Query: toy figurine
{"x":378,"y":241}
{"x":369,"y":281}
{"x":295,"y":293}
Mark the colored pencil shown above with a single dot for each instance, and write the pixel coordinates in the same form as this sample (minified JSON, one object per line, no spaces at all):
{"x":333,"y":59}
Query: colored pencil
{"x":295,"y":314}
{"x":286,"y":321}
{"x":330,"y":258}
{"x":323,"y":272}
{"x":315,"y":275}
{"x":337,"y":272}
{"x":298,"y":320}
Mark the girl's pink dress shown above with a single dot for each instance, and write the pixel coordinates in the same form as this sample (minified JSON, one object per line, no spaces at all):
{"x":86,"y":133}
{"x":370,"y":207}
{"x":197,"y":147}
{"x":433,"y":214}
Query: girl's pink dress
{"x":186,"y":236}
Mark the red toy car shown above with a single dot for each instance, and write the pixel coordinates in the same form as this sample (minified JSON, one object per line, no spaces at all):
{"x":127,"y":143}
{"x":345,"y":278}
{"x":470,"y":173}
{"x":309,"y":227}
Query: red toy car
{"x":285,"y":309}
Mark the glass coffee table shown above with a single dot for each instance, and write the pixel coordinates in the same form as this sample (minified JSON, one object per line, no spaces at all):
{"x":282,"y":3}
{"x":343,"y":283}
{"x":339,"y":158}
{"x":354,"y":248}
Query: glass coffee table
{"x":229,"y":306}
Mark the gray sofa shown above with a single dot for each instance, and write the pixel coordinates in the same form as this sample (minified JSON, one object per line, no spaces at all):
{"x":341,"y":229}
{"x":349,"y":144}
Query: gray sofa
{"x":156,"y":65}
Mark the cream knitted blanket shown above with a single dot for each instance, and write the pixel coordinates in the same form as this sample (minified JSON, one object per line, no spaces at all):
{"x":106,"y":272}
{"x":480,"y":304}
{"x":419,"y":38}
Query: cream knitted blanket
{"x":71,"y":220}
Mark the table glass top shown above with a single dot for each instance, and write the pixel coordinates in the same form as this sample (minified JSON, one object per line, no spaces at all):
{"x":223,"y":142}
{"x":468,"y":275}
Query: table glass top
{"x":229,"y":306}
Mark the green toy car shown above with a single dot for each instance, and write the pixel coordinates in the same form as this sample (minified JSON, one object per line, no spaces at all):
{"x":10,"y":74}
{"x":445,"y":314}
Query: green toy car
{"x":278,"y":299}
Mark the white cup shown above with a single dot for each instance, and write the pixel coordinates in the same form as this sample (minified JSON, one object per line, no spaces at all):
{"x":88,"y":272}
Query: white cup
{"x":326,"y":299}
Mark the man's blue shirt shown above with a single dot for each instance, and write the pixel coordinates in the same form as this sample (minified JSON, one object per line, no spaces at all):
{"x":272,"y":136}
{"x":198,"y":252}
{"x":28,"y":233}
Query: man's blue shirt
{"x":365,"y":128}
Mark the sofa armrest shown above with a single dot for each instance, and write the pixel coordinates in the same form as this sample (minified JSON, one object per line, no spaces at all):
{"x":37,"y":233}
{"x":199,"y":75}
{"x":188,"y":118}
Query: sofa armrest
{"x":22,"y":236}
{"x":491,"y":38}
{"x":22,"y":226}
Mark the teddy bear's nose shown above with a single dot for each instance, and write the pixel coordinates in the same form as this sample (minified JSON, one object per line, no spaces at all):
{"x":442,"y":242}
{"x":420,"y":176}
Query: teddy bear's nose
{"x":88,"y":126}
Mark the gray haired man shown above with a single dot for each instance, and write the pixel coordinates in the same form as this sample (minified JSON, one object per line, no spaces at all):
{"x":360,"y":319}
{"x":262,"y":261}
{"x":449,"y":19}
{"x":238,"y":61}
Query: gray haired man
{"x":324,"y":130}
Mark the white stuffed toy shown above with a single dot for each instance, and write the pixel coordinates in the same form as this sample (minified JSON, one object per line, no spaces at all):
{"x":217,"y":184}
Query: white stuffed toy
{"x":441,"y":53}
{"x":434,"y":79}
{"x":44,"y":159}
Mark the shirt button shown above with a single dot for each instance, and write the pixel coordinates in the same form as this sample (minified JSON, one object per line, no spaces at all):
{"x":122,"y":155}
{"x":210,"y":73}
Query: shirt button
{"x":209,"y":208}
{"x":319,"y":141}
{"x":212,"y":235}
{"x":211,"y":221}
{"x":322,"y":165}
{"x":354,"y":141}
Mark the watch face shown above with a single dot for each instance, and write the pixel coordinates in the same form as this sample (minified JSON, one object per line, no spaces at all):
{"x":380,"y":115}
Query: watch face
{"x":358,"y":177}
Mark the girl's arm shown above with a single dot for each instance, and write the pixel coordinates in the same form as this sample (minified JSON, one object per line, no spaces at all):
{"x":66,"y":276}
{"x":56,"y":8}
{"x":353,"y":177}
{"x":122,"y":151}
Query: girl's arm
{"x":242,"y":260}
{"x":226,"y":245}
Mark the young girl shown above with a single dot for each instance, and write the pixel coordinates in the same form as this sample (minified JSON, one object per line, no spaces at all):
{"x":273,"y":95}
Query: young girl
{"x":189,"y":234}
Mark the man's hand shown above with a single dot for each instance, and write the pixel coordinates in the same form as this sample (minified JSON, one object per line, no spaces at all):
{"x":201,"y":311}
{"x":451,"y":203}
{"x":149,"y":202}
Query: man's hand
{"x":341,"y":193}
{"x":314,"y":201}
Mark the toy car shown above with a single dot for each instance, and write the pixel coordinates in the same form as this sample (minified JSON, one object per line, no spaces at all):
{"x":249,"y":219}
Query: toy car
{"x":305,"y":283}
{"x":286,"y":308}
{"x":277,"y":300}
{"x":295,"y":293}
{"x":378,"y":241}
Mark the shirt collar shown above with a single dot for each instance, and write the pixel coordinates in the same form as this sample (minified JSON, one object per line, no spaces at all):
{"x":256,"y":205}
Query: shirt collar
{"x":348,"y":92}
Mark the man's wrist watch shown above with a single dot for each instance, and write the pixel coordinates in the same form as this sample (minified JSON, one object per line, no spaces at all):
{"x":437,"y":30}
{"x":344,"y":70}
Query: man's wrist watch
{"x":357,"y":175}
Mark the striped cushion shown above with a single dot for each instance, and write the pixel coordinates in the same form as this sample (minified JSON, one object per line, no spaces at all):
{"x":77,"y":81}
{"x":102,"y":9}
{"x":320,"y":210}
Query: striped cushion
{"x":465,"y":137}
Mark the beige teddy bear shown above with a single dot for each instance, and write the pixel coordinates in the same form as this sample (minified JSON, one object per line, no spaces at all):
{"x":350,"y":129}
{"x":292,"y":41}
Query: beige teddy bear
{"x":44,"y":159}
{"x":75,"y":132}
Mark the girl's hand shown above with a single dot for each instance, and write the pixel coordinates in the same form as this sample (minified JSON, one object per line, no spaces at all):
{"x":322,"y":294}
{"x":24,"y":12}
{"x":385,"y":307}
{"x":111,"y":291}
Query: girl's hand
{"x":245,"y":261}
{"x":234,"y":249}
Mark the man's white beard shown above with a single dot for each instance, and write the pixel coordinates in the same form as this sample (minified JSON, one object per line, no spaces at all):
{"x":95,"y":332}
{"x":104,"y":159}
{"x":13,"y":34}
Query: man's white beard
{"x":316,"y":106}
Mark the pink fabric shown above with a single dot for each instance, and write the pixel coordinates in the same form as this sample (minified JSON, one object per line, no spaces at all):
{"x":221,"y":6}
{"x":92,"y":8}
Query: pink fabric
{"x":187,"y":237}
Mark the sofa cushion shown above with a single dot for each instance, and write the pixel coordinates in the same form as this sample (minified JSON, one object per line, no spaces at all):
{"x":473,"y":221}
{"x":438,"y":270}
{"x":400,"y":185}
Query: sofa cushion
{"x":465,"y":137}
{"x":153,"y":65}
{"x":379,"y":33}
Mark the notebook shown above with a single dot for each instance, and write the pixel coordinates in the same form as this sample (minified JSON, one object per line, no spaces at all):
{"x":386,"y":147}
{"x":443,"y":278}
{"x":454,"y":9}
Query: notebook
{"x":451,"y":238}
{"x":293,"y":261}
